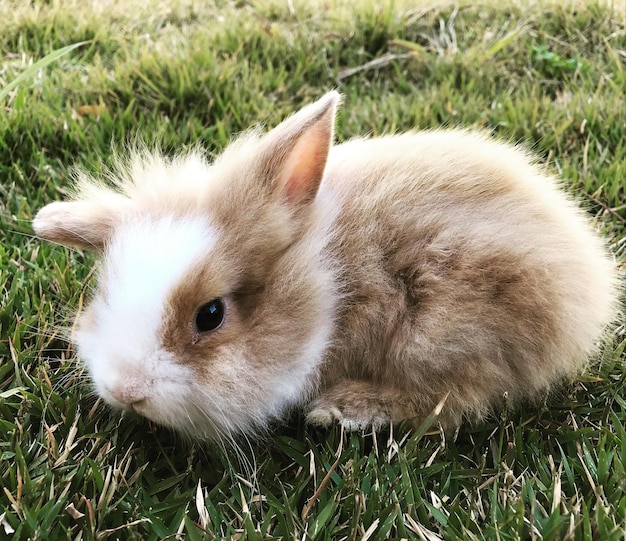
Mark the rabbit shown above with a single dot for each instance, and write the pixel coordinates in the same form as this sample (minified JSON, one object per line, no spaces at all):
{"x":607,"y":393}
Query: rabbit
{"x":365,"y":283}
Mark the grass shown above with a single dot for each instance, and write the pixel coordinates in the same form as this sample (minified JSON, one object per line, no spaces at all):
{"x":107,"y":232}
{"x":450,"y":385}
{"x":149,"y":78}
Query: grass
{"x":550,"y":75}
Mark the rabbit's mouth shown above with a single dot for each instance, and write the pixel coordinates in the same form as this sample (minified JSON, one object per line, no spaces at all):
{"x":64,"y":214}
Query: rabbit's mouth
{"x":140,"y":407}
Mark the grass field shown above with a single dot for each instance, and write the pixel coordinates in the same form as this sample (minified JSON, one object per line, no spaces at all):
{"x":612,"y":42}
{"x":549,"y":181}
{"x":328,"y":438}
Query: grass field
{"x":549,"y":75}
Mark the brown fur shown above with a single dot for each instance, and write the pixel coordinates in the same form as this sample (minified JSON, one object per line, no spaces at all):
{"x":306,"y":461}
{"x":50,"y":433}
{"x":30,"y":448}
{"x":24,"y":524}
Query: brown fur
{"x":464,"y":281}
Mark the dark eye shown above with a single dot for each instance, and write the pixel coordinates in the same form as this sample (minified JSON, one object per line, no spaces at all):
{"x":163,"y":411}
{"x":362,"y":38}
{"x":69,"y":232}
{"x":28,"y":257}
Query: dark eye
{"x":210,"y":316}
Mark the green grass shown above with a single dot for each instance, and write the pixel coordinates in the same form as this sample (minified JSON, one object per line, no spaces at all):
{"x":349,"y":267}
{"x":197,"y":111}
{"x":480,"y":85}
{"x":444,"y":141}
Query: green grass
{"x":181,"y":72}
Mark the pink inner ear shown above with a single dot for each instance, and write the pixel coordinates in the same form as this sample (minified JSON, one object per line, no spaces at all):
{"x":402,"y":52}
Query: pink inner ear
{"x":305,"y":165}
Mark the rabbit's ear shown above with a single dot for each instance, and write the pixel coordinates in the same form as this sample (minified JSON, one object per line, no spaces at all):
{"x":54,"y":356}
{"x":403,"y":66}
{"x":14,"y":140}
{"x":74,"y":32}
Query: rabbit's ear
{"x":294,"y":153}
{"x":84,"y":224}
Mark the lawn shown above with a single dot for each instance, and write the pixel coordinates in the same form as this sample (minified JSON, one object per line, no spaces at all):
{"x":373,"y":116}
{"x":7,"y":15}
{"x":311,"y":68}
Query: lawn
{"x":552,"y":76}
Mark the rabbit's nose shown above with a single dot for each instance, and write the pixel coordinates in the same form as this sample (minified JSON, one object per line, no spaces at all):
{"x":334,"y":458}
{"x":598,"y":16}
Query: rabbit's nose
{"x":129,"y":392}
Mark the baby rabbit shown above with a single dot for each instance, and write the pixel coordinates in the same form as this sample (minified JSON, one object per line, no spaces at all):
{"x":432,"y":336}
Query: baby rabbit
{"x":365,"y":282}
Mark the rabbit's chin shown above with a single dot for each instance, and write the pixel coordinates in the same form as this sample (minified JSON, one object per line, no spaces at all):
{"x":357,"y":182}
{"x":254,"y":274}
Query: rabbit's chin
{"x":176,"y":400}
{"x":202,"y":411}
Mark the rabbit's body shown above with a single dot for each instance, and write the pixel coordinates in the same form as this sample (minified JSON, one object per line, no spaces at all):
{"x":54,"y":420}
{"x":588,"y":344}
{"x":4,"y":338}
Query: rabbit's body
{"x":466,"y":271}
{"x":366,"y":282}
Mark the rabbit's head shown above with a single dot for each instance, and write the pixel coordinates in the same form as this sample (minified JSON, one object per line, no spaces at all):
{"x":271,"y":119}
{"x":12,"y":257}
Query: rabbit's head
{"x":214,"y":303}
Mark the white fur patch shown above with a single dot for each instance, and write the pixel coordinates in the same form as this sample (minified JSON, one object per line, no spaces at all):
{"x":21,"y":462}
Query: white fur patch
{"x":120,"y":343}
{"x":144,"y":262}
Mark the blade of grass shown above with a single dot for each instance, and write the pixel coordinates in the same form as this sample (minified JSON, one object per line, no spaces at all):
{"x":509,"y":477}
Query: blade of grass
{"x":40,"y":64}
{"x":502,"y":43}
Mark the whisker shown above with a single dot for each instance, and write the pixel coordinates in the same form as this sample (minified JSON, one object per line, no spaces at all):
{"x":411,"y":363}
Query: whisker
{"x":226,"y":433}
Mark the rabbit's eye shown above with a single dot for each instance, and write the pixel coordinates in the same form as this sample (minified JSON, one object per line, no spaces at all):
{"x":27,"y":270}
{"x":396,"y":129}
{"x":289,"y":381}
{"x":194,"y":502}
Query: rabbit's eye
{"x":210,"y":316}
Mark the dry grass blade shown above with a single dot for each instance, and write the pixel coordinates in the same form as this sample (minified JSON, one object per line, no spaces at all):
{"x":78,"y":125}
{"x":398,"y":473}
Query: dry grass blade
{"x":377,"y":63}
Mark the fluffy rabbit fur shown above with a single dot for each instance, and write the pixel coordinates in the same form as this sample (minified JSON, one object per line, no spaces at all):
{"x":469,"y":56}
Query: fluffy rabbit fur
{"x":364,"y":282}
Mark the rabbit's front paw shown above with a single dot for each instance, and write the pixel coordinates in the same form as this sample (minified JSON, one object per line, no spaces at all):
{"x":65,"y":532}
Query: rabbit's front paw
{"x":356,"y":405}
{"x":328,"y":414}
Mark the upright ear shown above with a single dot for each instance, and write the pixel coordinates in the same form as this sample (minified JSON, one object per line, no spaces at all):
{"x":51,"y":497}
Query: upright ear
{"x":82,"y":224}
{"x":294,"y":153}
